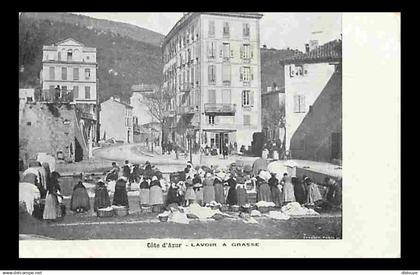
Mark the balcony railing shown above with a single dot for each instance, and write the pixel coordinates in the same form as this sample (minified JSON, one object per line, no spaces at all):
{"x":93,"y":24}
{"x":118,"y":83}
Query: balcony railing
{"x":219,"y":108}
{"x":55,"y":96}
{"x":186,"y":109}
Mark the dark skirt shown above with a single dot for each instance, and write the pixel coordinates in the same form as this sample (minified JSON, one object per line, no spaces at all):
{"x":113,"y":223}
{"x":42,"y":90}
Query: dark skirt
{"x":120,"y":196}
{"x":300,"y":193}
{"x":242,"y":196}
{"x":101,"y":199}
{"x":80,"y":199}
{"x":264,"y":193}
{"x":276,"y":195}
{"x":173,"y":197}
{"x":232,"y":197}
{"x":219,"y":194}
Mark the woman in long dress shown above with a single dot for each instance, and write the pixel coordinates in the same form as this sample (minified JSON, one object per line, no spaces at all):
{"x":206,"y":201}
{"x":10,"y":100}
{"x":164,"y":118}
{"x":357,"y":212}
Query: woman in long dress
{"x":101,"y":197}
{"x":300,"y":190}
{"x":52,"y":210}
{"x":275,"y":191}
{"x":263,"y":191}
{"x":120,"y":194}
{"x":144,"y":192}
{"x":313,"y":194}
{"x":219,"y":194}
{"x":258,"y":165}
{"x":241,"y":190}
{"x":156,"y":195}
{"x":198,"y":189}
{"x":80,"y":199}
{"x":189,"y":193}
{"x":208,"y":190}
{"x":232,"y":197}
{"x":288,"y":189}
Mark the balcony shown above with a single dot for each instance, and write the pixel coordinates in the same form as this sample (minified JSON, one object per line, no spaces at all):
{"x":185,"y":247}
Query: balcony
{"x":219,"y":108}
{"x":54,"y":96}
{"x":185,"y":110}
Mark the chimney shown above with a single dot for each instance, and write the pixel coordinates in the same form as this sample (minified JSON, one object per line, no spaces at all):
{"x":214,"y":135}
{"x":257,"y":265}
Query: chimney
{"x":307,"y":48}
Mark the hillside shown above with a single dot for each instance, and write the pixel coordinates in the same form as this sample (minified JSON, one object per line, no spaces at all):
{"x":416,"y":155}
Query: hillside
{"x":272,"y":70}
{"x":123,"y":29}
{"x":122,"y":61}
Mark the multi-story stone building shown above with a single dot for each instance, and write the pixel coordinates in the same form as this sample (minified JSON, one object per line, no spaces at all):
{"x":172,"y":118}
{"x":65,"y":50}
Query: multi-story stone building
{"x":116,"y":120}
{"x":212,"y":65}
{"x":69,"y":75}
{"x":313,"y":103}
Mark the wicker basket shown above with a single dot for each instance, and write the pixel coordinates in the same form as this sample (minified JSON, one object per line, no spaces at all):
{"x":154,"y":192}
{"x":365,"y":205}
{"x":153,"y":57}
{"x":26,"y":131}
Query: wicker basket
{"x":163,"y":218}
{"x":146,"y":209}
{"x":234,"y":208}
{"x":121,"y":212}
{"x":104,"y":213}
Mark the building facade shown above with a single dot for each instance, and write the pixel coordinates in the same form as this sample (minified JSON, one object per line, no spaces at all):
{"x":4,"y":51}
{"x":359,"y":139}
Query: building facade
{"x":69,"y":75}
{"x":313,"y":88}
{"x":116,"y":120}
{"x":212,"y":66}
{"x":273,"y":112}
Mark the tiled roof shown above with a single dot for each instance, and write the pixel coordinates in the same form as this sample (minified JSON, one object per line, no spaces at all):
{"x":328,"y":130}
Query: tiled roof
{"x":330,"y":51}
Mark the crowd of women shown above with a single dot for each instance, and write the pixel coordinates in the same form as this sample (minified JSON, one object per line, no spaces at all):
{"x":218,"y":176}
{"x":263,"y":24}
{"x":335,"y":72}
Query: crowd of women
{"x":202,"y":185}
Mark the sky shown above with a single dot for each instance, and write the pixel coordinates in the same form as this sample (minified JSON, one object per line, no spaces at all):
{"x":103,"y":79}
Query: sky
{"x":278,"y":30}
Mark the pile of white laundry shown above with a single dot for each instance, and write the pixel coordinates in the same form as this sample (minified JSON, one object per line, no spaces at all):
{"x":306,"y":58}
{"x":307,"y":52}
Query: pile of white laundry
{"x":295,"y":209}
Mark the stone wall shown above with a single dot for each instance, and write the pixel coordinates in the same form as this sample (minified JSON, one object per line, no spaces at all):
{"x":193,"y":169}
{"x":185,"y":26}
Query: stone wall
{"x":48,"y":128}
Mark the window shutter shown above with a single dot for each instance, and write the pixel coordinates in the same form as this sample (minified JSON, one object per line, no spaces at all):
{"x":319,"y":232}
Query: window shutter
{"x":251,"y":98}
{"x":242,"y":51}
{"x":221,"y":51}
{"x":231,"y":53}
{"x":252,"y":51}
{"x":296,"y":104}
{"x":210,"y":73}
{"x":241,"y":73}
{"x":252,"y":73}
{"x":208,"y":49}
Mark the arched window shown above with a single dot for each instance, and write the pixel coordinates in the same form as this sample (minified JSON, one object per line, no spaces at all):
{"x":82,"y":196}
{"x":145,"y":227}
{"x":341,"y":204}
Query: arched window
{"x":69,"y":55}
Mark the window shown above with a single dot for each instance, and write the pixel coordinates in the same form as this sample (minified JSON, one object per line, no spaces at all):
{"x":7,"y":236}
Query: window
{"x":245,"y":30}
{"x":64,"y":73}
{"x":75,"y":91}
{"x":247,"y":98}
{"x":87,"y":74}
{"x":192,"y":76}
{"x":59,"y":56}
{"x":212,"y":96}
{"x":247,"y":120}
{"x":226,"y":51}
{"x":87,"y":92}
{"x":226,"y":73}
{"x":246,"y":51}
{"x":211,"y":120}
{"x":75,"y":73}
{"x":211,"y":49}
{"x":52,"y":73}
{"x":226,"y":29}
{"x":246,"y":74}
{"x":69,"y":55}
{"x":212,"y":74}
{"x":212,"y":28}
{"x":299,"y":104}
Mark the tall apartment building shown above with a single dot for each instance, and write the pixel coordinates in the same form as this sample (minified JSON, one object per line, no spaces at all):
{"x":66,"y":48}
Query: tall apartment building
{"x":212,"y":65}
{"x":69,"y":73}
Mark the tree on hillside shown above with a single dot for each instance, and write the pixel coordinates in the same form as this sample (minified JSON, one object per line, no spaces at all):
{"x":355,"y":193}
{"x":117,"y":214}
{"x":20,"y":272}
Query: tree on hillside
{"x":157,"y":102}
